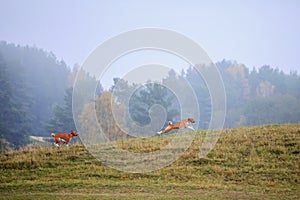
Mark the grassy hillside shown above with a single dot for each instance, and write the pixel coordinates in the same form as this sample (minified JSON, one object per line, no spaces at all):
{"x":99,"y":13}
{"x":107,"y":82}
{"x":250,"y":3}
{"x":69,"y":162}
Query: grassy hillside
{"x":247,"y":163}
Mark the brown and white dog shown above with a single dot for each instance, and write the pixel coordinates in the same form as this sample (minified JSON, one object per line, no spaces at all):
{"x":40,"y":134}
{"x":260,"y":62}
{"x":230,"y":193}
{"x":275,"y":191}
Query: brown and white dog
{"x":186,"y":123}
{"x":63,"y":137}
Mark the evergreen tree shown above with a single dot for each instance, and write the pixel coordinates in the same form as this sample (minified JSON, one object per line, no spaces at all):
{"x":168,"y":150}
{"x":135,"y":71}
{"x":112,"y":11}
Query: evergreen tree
{"x":12,"y":115}
{"x":38,"y":81}
{"x":63,"y":120}
{"x":201,"y":91}
{"x":147,"y":96}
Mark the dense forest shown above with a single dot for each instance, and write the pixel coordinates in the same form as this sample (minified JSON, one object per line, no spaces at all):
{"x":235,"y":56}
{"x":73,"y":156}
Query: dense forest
{"x":253,"y":97}
{"x":33,"y":81}
{"x":36,"y":97}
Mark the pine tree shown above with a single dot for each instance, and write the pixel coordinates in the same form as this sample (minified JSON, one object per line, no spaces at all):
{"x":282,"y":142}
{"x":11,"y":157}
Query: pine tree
{"x":12,"y":115}
{"x":147,"y":96}
{"x":63,"y":117}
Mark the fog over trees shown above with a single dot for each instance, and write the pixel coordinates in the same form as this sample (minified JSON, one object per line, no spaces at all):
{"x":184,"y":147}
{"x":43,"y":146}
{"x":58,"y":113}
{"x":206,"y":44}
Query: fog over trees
{"x":36,"y":96}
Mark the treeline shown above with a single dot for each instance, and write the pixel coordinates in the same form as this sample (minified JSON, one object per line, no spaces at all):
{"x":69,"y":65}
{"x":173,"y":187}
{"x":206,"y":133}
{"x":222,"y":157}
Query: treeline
{"x":36,"y":98}
{"x":253,"y":97}
{"x":32,"y":82}
{"x":35,"y":94}
{"x":260,"y":96}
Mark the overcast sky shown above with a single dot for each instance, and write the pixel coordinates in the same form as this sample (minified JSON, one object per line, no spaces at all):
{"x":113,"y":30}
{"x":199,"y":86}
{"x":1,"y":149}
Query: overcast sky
{"x":251,"y":32}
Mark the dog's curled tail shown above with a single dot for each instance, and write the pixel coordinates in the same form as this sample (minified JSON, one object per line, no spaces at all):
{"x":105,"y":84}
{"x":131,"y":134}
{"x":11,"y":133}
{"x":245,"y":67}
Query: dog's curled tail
{"x":53,"y":134}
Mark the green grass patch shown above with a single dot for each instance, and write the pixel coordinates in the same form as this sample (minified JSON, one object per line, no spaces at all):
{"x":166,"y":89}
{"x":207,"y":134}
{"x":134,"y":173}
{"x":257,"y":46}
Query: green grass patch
{"x":246,"y":163}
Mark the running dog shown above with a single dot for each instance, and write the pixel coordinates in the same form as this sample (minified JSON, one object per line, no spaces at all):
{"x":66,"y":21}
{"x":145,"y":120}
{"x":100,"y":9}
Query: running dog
{"x":186,"y":123}
{"x":63,"y":137}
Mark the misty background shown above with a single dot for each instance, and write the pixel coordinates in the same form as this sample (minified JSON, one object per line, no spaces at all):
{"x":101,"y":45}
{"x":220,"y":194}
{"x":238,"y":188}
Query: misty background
{"x":254,"y":44}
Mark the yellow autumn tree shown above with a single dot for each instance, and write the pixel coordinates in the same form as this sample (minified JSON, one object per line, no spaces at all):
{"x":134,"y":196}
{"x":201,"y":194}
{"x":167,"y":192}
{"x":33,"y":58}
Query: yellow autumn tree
{"x":109,"y":119}
{"x":89,"y":126}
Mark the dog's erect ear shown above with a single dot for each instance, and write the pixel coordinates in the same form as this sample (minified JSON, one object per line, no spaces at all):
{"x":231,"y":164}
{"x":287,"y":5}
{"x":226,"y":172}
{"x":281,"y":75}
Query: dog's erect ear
{"x":74,"y":133}
{"x":191,"y":120}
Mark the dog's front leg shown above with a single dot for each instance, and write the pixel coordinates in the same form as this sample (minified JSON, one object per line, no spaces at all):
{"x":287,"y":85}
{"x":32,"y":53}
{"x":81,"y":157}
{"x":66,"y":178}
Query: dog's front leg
{"x":191,"y":127}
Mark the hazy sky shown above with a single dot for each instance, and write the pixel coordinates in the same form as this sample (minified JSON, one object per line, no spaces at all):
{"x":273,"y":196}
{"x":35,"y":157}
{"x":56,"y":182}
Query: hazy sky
{"x":251,"y":32}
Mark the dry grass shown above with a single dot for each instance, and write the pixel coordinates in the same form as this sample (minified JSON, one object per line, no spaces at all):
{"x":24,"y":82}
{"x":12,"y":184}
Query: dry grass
{"x":247,"y":163}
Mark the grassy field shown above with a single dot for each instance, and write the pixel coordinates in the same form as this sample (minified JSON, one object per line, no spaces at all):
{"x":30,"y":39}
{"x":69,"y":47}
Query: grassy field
{"x":246,"y":163}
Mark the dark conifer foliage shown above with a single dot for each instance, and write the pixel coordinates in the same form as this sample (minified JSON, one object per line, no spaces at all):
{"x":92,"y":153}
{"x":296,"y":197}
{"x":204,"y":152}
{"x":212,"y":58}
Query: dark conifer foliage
{"x":36,"y":95}
{"x":32,"y":81}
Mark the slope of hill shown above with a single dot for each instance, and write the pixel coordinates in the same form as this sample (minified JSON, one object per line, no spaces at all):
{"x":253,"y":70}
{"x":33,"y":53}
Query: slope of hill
{"x":246,"y":163}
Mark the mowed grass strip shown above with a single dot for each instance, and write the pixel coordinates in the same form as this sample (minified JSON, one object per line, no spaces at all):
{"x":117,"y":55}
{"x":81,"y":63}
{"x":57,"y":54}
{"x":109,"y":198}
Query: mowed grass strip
{"x":246,"y":163}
